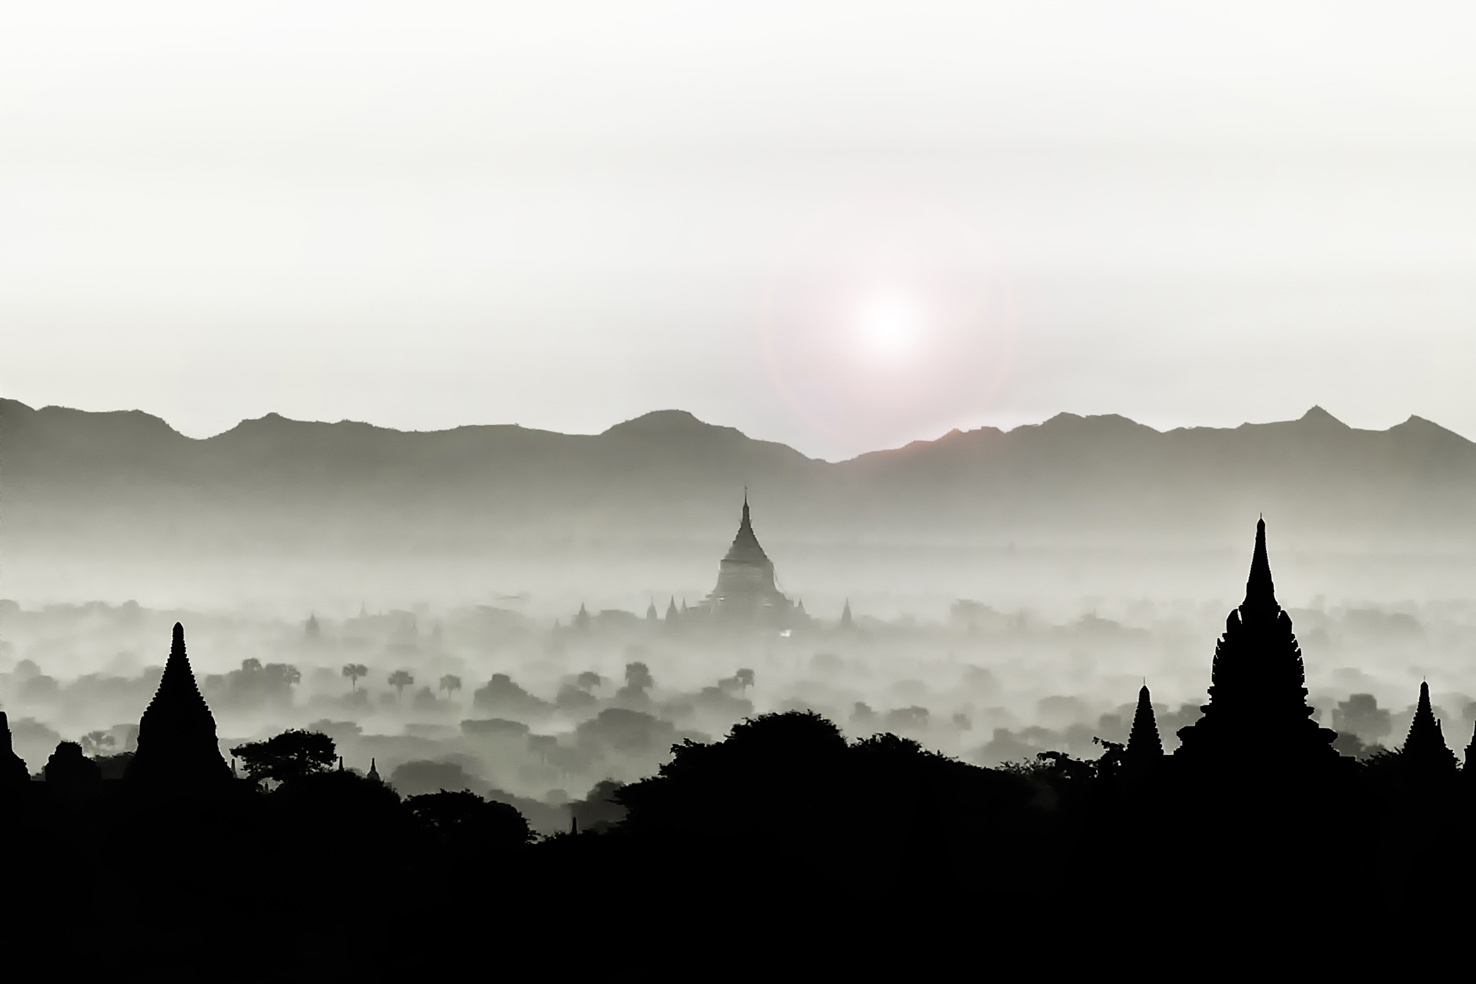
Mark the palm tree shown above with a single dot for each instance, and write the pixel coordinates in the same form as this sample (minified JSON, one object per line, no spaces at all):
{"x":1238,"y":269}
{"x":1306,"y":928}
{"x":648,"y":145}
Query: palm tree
{"x":450,"y":683}
{"x":400,"y":679}
{"x":354,"y":671}
{"x":745,"y":679}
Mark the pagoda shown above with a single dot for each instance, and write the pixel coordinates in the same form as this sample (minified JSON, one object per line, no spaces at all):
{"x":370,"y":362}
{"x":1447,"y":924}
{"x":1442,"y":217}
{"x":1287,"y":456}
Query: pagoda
{"x":745,"y":590}
{"x":1144,"y":746}
{"x":1257,"y":712}
{"x":1425,"y":751}
{"x":177,"y":747}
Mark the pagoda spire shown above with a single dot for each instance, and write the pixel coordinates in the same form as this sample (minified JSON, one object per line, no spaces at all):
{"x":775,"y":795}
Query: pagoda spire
{"x":1257,"y":710}
{"x":177,"y":745}
{"x":1424,"y":748}
{"x":1260,"y":590}
{"x":1144,"y":745}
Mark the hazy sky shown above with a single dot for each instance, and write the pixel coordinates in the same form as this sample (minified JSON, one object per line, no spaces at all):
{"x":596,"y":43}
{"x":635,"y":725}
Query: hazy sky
{"x":837,"y":224}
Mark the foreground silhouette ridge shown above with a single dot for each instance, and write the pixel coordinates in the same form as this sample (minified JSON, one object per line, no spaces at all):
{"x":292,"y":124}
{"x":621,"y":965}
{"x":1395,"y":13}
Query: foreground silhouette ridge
{"x":177,"y":746}
{"x":13,"y":772}
{"x":1258,"y":696}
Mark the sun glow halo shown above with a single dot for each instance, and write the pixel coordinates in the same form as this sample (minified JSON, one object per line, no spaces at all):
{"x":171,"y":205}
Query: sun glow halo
{"x":890,"y":324}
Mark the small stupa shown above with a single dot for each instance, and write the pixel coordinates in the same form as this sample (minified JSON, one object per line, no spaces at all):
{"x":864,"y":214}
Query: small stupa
{"x":1144,"y":745}
{"x":1424,"y":748}
{"x":177,"y":745}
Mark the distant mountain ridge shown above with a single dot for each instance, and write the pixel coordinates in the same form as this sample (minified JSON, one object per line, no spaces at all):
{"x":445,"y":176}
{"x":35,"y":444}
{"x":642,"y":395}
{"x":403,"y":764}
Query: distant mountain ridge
{"x":69,"y":477}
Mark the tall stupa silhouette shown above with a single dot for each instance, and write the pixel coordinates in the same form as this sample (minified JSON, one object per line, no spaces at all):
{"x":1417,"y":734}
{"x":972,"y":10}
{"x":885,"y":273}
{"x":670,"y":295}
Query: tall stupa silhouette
{"x":177,"y":747}
{"x":1257,"y":712}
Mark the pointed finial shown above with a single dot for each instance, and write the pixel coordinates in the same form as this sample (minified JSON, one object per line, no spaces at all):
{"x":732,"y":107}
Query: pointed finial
{"x":178,"y":636}
{"x":1259,"y":589}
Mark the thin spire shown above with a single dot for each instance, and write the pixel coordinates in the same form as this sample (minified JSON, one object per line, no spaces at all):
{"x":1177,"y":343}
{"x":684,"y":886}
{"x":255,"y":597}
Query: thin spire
{"x":1424,"y":747}
{"x":1259,"y":589}
{"x":1143,"y":741}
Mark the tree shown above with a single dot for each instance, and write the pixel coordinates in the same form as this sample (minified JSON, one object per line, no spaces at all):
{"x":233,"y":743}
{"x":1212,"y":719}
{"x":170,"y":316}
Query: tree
{"x":94,"y":742}
{"x":400,"y":679}
{"x":354,"y":671}
{"x":282,"y":675}
{"x":287,"y":756}
{"x":464,"y":823}
{"x":588,"y":680}
{"x":450,"y":683}
{"x":638,"y":677}
{"x":745,"y":679}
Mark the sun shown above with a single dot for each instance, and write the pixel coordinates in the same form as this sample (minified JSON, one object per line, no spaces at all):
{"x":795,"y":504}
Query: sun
{"x":888,"y":324}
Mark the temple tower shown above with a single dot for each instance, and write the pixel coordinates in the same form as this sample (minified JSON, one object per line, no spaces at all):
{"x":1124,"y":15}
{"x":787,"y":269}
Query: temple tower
{"x":1425,"y":751}
{"x":1257,"y":712}
{"x":177,"y":746}
{"x":745,"y":590}
{"x":1144,"y":745}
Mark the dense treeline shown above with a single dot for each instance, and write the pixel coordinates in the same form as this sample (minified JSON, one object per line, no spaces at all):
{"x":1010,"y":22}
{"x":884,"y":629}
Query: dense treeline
{"x":782,"y":831}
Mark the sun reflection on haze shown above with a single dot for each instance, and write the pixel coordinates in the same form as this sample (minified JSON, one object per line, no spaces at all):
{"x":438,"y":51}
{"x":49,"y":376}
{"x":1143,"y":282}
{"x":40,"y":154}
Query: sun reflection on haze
{"x":886,"y":322}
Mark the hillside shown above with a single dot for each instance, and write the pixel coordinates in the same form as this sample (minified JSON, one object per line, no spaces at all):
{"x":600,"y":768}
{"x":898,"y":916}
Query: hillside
{"x":75,"y":480}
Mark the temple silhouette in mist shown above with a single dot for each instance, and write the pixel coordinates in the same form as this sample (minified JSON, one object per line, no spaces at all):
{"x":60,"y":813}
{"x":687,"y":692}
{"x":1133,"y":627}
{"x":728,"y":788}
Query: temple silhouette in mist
{"x":746,"y":596}
{"x":177,"y":745}
{"x":1258,"y":694}
{"x":746,"y":592}
{"x":892,"y":827}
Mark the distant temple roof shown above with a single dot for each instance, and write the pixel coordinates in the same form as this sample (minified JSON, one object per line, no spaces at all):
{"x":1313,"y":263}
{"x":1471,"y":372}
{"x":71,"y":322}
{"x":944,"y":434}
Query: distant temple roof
{"x":746,"y":548}
{"x":745,"y":587}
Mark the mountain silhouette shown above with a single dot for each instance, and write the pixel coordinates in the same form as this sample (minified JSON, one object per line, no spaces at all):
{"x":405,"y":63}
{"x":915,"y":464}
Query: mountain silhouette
{"x":79,"y":478}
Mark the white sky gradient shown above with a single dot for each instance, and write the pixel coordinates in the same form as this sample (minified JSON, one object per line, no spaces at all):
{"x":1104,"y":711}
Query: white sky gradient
{"x":566,"y":214}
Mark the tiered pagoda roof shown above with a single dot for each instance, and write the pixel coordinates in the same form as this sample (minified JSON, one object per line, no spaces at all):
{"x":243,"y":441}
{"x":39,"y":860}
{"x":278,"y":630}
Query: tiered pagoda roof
{"x":1258,"y":712}
{"x":1144,"y":744}
{"x":1424,"y":748}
